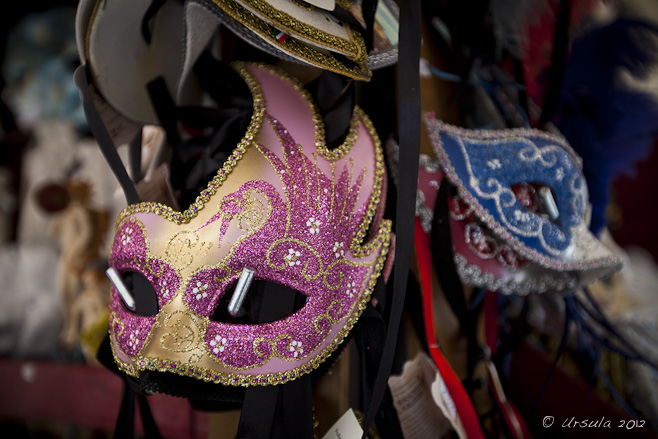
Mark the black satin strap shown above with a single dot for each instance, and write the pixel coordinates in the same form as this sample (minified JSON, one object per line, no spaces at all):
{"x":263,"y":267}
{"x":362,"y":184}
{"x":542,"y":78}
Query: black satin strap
{"x":149,"y":16}
{"x":125,"y":424}
{"x":369,"y":10}
{"x":558,"y":63}
{"x":369,"y":337}
{"x":283,"y":411}
{"x":409,"y":128}
{"x":444,"y":266}
{"x":151,"y":430}
{"x":135,"y":154}
{"x":258,"y":412}
{"x":81,"y":77}
{"x":335,"y":98}
{"x":165,"y":108}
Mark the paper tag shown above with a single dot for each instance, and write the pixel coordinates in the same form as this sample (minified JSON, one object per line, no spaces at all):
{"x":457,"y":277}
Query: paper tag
{"x":442,"y":397}
{"x":347,"y":427}
{"x":421,"y":398}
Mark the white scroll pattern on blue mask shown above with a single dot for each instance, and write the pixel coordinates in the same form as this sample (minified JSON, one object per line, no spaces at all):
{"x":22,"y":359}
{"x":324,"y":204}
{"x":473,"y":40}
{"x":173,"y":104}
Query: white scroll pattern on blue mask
{"x":495,"y":171}
{"x":488,"y":167}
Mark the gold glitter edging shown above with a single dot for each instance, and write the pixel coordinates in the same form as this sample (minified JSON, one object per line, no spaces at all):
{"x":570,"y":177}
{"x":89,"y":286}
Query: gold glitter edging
{"x":305,"y":7}
{"x":354,"y":48}
{"x":230,"y":163}
{"x":315,"y":57}
{"x":92,"y":17}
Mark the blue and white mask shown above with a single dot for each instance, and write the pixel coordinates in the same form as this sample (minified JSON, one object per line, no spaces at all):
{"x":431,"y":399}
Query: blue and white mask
{"x":523,"y":194}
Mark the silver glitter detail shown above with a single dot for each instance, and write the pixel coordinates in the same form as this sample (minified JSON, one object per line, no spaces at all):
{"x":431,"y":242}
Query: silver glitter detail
{"x":553,"y":282}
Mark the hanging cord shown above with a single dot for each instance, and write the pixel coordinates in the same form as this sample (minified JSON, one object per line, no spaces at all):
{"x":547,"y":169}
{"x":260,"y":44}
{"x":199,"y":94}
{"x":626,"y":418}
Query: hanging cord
{"x":560,"y":350}
{"x":598,"y":316}
{"x":585,"y":344}
{"x":409,"y":128}
{"x":591,"y":342}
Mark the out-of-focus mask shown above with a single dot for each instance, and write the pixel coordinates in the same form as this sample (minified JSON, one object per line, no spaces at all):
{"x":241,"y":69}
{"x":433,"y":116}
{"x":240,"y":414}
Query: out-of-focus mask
{"x":518,"y":211}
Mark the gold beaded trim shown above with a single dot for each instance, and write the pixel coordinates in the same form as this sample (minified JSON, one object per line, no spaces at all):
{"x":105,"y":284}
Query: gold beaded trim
{"x":354,"y":48}
{"x":191,"y":212}
{"x":345,"y":4}
{"x":315,"y":57}
{"x":270,"y":379}
{"x":301,"y":4}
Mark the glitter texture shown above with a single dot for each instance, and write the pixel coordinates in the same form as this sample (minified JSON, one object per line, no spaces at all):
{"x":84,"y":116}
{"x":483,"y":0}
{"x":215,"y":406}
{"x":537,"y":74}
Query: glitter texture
{"x":301,"y":222}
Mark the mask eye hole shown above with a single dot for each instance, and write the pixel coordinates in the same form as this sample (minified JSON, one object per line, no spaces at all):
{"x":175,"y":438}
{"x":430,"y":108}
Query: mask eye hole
{"x":538,"y":199}
{"x":143,"y":293}
{"x":259,"y":295}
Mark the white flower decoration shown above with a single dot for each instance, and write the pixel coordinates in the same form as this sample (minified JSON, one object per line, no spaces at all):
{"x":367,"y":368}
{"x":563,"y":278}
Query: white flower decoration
{"x":132,"y":342}
{"x":351,"y":289}
{"x":521,"y":216}
{"x":338,"y":249}
{"x":200,"y":290}
{"x":494,"y":164}
{"x":559,"y":174}
{"x":218,"y":344}
{"x":126,"y":236}
{"x":292,"y":257}
{"x":164,"y":286}
{"x":313,"y":225}
{"x":296,"y":348}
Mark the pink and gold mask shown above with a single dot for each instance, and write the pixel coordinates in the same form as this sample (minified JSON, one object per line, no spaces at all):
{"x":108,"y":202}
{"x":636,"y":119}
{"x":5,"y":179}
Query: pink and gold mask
{"x":283,"y":206}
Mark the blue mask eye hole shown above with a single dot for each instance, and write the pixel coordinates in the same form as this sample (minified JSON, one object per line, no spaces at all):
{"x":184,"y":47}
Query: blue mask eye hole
{"x":538,"y":199}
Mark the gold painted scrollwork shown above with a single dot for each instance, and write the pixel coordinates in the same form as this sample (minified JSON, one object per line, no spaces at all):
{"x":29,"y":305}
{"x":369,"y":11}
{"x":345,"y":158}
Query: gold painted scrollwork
{"x":183,"y":247}
{"x":183,"y":333}
{"x":326,"y":316}
{"x":252,"y":213}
